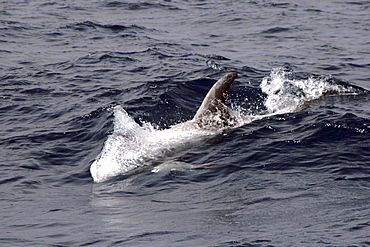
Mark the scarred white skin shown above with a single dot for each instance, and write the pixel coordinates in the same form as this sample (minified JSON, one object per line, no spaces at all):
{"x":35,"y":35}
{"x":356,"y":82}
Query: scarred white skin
{"x":213,"y":114}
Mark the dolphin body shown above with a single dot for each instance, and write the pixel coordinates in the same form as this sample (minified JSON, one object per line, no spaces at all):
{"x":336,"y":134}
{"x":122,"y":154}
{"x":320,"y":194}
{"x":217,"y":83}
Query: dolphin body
{"x":213,"y":114}
{"x":130,"y":144}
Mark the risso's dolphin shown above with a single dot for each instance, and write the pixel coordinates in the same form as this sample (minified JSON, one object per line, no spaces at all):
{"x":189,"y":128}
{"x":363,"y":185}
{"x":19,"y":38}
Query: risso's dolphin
{"x":131,"y":145}
{"x":213,"y":114}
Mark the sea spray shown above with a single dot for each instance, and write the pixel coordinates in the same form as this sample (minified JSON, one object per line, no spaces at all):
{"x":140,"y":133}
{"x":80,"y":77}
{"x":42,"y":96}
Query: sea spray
{"x":131,"y":145}
{"x":288,"y":91}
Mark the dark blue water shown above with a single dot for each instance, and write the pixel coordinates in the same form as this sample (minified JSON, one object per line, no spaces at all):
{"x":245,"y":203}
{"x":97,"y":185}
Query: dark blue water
{"x":299,"y":178}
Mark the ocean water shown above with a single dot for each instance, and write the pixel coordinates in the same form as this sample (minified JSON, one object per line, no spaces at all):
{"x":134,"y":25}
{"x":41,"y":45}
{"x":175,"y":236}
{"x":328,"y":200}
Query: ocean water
{"x":102,"y":82}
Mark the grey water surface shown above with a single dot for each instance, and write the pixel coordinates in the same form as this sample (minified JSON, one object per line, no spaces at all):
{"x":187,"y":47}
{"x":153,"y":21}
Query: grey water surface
{"x":295,"y":179}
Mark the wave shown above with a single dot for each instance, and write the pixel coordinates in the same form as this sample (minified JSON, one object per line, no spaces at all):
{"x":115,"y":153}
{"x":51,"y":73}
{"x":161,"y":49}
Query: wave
{"x":139,"y":6}
{"x":275,"y":30}
{"x":116,"y":28}
{"x":132,"y":145}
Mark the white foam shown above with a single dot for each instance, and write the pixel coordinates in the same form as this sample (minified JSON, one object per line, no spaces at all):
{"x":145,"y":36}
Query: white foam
{"x":286,"y":94}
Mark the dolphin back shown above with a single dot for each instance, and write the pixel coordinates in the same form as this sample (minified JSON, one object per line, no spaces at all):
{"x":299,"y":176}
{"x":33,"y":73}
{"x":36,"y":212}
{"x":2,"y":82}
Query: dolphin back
{"x":213,"y":112}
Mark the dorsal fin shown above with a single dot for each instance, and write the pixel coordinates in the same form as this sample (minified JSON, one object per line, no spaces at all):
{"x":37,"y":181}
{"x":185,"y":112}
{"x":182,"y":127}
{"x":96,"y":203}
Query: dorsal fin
{"x":214,"y":104}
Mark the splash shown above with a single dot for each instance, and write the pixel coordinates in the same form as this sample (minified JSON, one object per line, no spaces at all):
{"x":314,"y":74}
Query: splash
{"x":131,"y":145}
{"x":288,"y":91}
